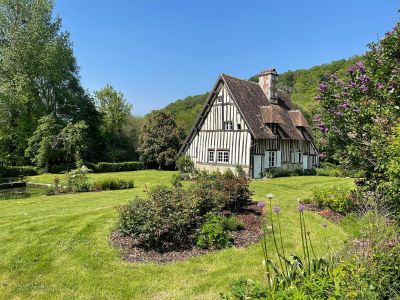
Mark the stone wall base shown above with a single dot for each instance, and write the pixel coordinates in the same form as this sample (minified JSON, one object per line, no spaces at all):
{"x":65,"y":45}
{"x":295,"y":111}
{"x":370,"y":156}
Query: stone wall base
{"x":221,"y":168}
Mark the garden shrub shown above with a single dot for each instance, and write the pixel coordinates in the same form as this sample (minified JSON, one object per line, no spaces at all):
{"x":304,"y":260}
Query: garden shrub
{"x":173,"y":210}
{"x":61,"y":168}
{"x":185,"y":164}
{"x":223,"y":190}
{"x":112,"y":184}
{"x":77,"y":181}
{"x":275,"y":173}
{"x":179,"y":212}
{"x":231,"y":223}
{"x":141,"y":220}
{"x":104,"y":167}
{"x":17,"y":171}
{"x":213,"y":233}
{"x":335,"y":198}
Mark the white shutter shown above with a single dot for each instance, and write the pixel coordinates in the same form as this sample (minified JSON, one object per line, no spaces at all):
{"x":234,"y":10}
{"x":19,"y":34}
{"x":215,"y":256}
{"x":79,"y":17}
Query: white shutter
{"x":278,"y":159}
{"x":266,"y":159}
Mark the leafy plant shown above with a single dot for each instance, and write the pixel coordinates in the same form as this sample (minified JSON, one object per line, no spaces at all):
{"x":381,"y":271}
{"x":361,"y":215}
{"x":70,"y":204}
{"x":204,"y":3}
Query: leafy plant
{"x":231,"y":223}
{"x":213,"y":233}
{"x":77,"y":181}
{"x":336,"y":198}
{"x":185,"y":164}
{"x":112,"y":184}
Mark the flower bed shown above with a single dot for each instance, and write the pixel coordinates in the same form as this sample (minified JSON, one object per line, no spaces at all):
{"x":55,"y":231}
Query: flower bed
{"x":133,"y":251}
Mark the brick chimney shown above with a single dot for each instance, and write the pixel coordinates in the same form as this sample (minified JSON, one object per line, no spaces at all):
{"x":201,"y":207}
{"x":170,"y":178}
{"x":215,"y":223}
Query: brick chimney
{"x":268,"y":81}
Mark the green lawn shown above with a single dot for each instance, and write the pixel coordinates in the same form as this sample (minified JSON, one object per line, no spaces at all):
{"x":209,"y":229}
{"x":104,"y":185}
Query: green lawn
{"x":57,"y":246}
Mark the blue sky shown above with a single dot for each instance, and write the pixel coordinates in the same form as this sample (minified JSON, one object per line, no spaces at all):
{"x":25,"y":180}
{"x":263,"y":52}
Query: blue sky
{"x":157,"y":51}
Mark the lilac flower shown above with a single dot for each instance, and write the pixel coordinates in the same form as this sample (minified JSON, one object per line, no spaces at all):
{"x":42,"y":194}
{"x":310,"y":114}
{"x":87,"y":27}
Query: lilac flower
{"x":364,"y":78}
{"x":318,"y":98}
{"x":360,"y":66}
{"x":337,"y":95}
{"x":339,"y":114}
{"x":323,"y":87}
{"x":364,"y":88}
{"x":260,"y":204}
{"x":322,"y":155}
{"x":351,"y":70}
{"x":356,"y":109}
{"x":352,"y":83}
{"x":302,"y":207}
{"x":380,"y":86}
{"x":317,"y":118}
{"x":276,"y":209}
{"x":345,"y":94}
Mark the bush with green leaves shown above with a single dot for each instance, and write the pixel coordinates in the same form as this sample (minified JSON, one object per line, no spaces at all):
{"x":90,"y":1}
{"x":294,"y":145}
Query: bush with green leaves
{"x":213,"y":233}
{"x":112,"y":184}
{"x":104,"y":167}
{"x":185,"y":164}
{"x":335,"y":198}
{"x":224,"y":190}
{"x":170,"y":220}
{"x":77,"y":181}
{"x":231,"y":223}
{"x":17,"y":171}
{"x":141,"y":220}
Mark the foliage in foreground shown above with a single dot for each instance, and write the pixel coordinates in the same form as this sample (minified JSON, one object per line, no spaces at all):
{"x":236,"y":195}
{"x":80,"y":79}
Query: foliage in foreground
{"x":367,"y":269}
{"x":171,"y":216}
{"x":358,"y":121}
{"x":335,"y":198}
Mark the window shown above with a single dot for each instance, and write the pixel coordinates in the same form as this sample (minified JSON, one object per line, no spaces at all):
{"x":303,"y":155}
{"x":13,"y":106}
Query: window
{"x":296,"y":157}
{"x":211,"y":155}
{"x":219,"y":99}
{"x":228,"y":125}
{"x":299,"y":157}
{"x":272,"y":159}
{"x":274,"y":128}
{"x":239,"y":126}
{"x":223,"y":156}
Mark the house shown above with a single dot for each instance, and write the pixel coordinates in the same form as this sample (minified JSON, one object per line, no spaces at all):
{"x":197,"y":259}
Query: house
{"x":252,"y":125}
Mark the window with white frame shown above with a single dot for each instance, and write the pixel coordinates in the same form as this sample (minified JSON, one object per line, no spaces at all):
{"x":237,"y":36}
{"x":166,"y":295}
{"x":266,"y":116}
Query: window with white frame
{"x":239,"y":126}
{"x":219,"y":99}
{"x":228,"y":125}
{"x":223,"y":156}
{"x":210,"y":156}
{"x":271,"y":159}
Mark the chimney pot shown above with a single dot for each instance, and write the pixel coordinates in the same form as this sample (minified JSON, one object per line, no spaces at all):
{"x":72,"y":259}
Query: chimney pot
{"x":268,"y":81}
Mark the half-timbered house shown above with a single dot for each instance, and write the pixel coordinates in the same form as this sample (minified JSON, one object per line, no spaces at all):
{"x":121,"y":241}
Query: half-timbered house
{"x":252,"y":125}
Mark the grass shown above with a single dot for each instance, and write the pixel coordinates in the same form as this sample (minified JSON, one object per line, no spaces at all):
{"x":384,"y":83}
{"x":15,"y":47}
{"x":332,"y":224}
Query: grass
{"x":57,"y":246}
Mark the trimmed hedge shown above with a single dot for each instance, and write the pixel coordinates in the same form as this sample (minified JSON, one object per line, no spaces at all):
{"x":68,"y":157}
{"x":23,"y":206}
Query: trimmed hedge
{"x":104,"y":167}
{"x":16,"y":171}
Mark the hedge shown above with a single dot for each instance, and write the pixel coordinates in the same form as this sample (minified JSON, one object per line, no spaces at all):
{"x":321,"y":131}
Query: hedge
{"x":16,"y":171}
{"x":103,"y":167}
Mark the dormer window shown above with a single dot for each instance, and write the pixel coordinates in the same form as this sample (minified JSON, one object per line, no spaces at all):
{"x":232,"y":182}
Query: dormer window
{"x":273,"y":127}
{"x":228,"y":125}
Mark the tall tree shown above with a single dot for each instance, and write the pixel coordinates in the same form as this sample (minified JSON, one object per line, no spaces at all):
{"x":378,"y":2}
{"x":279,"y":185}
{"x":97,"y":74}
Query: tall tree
{"x":160,"y":140}
{"x":38,"y":74}
{"x":115,"y":111}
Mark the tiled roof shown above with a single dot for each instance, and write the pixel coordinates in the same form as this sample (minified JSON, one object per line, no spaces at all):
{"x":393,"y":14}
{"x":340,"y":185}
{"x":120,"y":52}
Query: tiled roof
{"x":258,"y":111}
